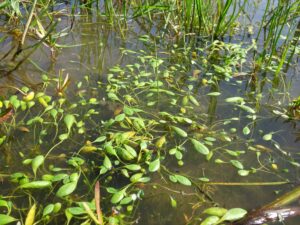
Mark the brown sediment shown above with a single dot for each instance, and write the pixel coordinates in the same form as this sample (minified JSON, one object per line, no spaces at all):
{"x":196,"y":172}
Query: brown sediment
{"x":6,"y":115}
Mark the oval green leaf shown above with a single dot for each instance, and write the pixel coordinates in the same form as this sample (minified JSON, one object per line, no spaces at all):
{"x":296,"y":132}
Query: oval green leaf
{"x":66,"y":189}
{"x":268,"y":137}
{"x":69,"y":120}
{"x":211,"y":220}
{"x":243,"y":173}
{"x":183,"y":180}
{"x":199,"y":147}
{"x":154,"y":166}
{"x":136,"y":177}
{"x":133,"y":167}
{"x":117,"y":197}
{"x":36,"y":184}
{"x":107,"y":163}
{"x":48,"y":209}
{"x":37,"y":162}
{"x":5,"y":219}
{"x":237,"y":164}
{"x":246,"y":130}
{"x":179,"y":131}
{"x":234,"y":214}
{"x":215,"y":211}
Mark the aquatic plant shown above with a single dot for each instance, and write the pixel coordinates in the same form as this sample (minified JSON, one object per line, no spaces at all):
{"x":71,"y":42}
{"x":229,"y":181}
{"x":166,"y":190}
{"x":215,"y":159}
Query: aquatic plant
{"x":93,"y":149}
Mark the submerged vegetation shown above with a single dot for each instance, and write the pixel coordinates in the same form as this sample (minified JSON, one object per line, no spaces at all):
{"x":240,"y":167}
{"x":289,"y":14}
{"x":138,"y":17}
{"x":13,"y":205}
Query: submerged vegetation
{"x":182,"y":111}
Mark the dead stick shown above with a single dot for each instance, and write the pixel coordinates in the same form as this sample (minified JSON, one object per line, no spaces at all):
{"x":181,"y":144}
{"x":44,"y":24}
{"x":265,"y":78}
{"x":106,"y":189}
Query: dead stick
{"x":97,"y":202}
{"x":248,"y":183}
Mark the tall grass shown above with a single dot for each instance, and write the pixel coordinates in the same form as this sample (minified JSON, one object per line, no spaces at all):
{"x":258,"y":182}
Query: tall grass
{"x":204,"y":17}
{"x":277,"y":22}
{"x":209,"y":18}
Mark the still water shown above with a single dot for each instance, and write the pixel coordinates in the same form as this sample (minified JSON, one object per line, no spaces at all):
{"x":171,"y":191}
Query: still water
{"x":93,"y":46}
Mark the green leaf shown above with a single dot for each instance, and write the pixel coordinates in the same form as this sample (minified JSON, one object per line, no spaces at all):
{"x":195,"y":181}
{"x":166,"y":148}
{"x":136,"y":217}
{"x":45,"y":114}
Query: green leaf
{"x":247,"y":109}
{"x":139,"y":123}
{"x":219,"y":161}
{"x":76,"y":211}
{"x":215,"y":211}
{"x":27,"y":161}
{"x":69,"y":120}
{"x":110,"y":149}
{"x":74,"y":177}
{"x":173,"y":178}
{"x":100,"y":139}
{"x":194,"y":100}
{"x":117,"y":197}
{"x":154,"y":166}
{"x":246,"y":130}
{"x":144,"y":179}
{"x":130,"y":150}
{"x":107,"y":163}
{"x":63,"y":137}
{"x":36,"y":184}
{"x":59,"y":176}
{"x":243,"y":173}
{"x":133,"y":167}
{"x":2,"y":139}
{"x":234,"y":214}
{"x":5,"y":204}
{"x":69,"y":215}
{"x":173,"y":202}
{"x":183,"y":180}
{"x":232,"y":153}
{"x":112,"y":96}
{"x":173,"y":151}
{"x":199,"y":147}
{"x":178,"y":155}
{"x":4,"y":4}
{"x":126,"y":201}
{"x":136,"y":177}
{"x":128,"y":111}
{"x":113,"y":220}
{"x":66,"y":189}
{"x":5,"y":219}
{"x":268,"y":137}
{"x":120,"y":117}
{"x":57,"y":207}
{"x":48,"y":209}
{"x":124,"y":154}
{"x":211,"y":220}
{"x":237,"y":164}
{"x":103,"y":170}
{"x":204,"y":179}
{"x":37,"y":162}
{"x":214,"y":94}
{"x":234,"y":100}
{"x":179,"y":131}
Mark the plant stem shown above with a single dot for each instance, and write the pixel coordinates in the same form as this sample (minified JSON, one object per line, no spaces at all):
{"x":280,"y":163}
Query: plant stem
{"x":28,"y":24}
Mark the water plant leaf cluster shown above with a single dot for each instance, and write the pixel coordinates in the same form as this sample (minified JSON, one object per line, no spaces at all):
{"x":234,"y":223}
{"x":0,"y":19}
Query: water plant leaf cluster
{"x":90,"y":151}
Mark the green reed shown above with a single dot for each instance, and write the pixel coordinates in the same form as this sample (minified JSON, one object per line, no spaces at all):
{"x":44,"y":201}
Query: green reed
{"x":277,"y":20}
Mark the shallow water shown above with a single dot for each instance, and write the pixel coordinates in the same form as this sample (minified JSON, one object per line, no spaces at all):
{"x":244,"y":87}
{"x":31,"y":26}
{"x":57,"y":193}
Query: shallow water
{"x":94,"y":47}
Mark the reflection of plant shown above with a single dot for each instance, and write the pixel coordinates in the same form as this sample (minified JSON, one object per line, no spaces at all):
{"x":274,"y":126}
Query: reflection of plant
{"x":30,"y":25}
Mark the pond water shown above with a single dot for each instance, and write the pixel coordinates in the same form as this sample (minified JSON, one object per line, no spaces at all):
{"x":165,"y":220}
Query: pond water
{"x":93,"y":47}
